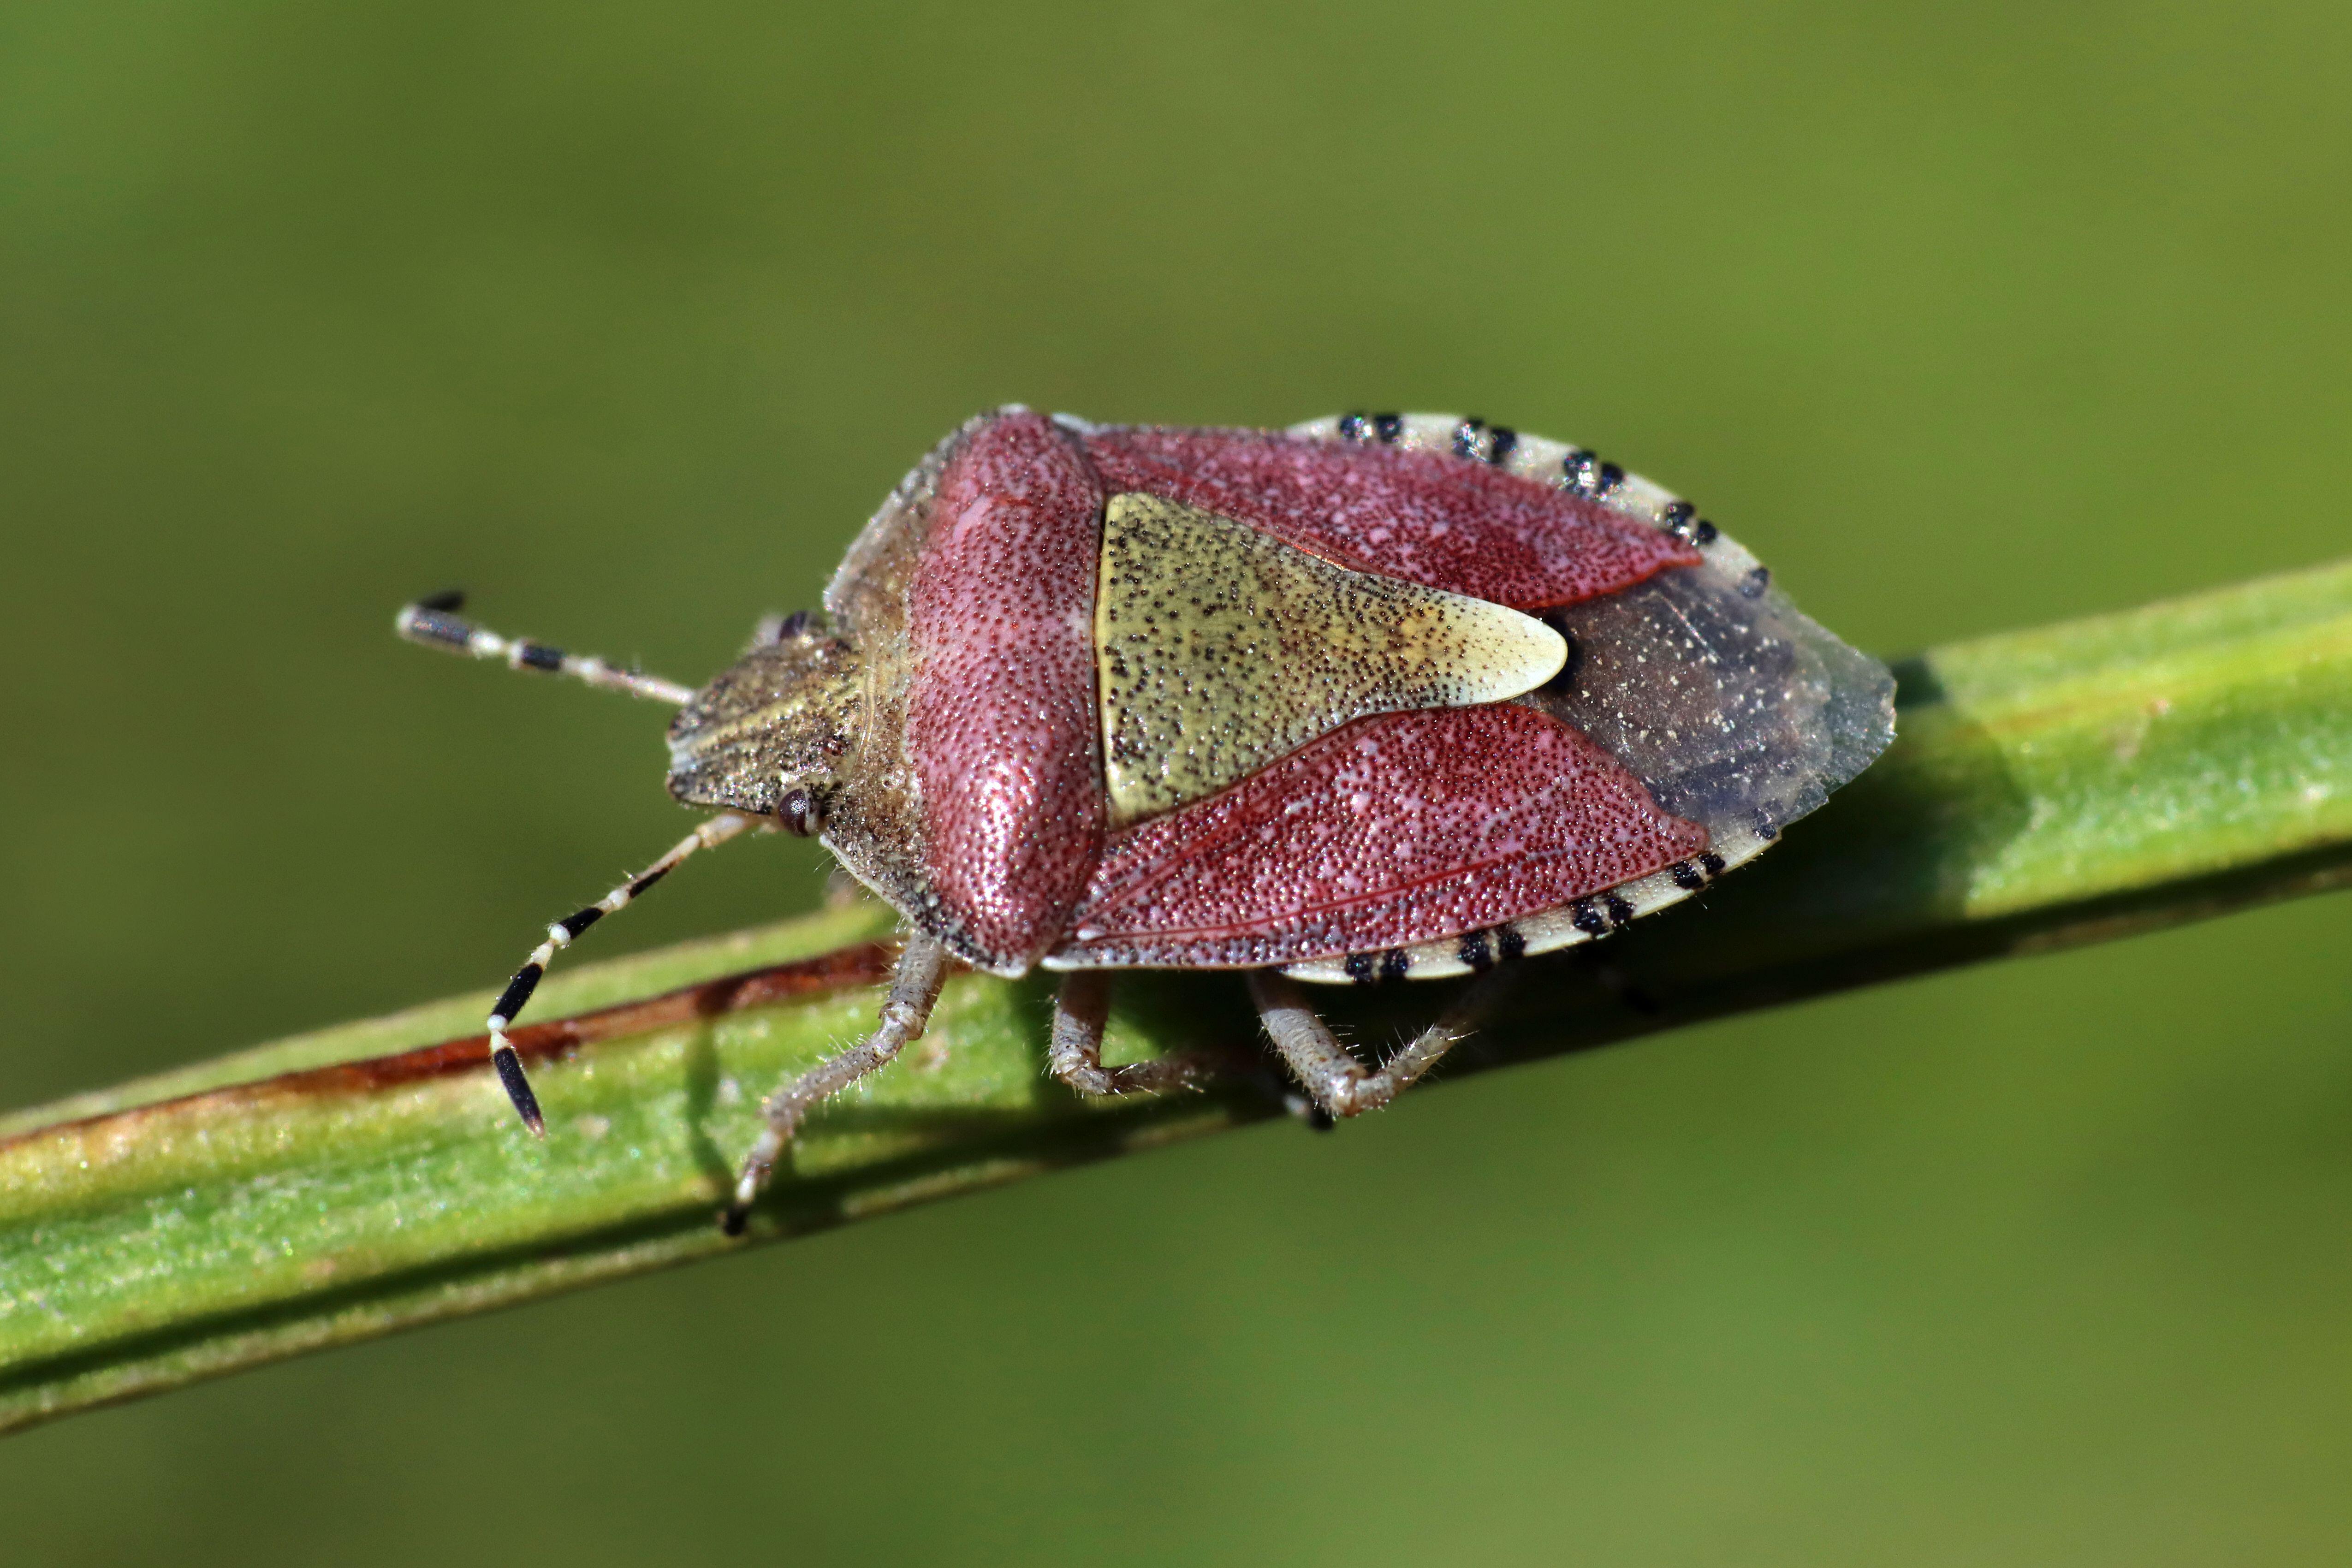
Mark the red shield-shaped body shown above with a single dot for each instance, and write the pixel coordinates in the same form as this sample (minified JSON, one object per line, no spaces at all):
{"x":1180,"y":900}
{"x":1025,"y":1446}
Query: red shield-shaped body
{"x":1369,"y":696}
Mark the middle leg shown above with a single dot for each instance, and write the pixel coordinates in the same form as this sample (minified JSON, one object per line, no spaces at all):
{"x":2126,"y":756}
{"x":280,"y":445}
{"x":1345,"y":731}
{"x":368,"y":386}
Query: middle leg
{"x":1075,"y":1055}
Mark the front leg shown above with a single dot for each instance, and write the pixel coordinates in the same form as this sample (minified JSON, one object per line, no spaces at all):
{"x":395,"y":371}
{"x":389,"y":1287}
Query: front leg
{"x":922,"y":971}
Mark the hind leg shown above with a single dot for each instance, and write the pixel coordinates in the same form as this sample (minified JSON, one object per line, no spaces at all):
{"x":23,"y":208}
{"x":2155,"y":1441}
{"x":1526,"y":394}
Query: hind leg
{"x":1340,"y":1084}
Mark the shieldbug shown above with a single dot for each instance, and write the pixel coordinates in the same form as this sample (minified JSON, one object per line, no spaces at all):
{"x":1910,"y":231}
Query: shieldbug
{"x":1377,"y":696}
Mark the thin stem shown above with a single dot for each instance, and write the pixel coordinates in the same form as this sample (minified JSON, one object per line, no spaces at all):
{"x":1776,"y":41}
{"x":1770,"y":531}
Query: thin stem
{"x":2065,"y":784}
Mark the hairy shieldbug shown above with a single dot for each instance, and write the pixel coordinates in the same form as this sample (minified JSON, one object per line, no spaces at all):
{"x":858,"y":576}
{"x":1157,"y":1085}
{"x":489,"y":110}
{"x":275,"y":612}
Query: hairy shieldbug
{"x":1375,"y":696}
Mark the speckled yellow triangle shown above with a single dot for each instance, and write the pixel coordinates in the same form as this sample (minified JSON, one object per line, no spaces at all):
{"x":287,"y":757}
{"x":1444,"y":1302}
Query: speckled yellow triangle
{"x":1222,"y":648}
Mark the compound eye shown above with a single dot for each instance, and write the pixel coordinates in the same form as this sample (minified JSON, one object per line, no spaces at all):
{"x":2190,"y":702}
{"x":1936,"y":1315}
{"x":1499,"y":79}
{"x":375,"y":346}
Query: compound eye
{"x":798,"y":812}
{"x":775,"y":629}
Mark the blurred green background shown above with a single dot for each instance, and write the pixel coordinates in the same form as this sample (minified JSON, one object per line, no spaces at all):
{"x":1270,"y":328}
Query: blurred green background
{"x":623,"y":316}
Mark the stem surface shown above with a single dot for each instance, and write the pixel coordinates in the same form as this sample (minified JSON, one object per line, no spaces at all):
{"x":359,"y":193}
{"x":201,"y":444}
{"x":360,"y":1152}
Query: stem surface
{"x":2058,"y":785}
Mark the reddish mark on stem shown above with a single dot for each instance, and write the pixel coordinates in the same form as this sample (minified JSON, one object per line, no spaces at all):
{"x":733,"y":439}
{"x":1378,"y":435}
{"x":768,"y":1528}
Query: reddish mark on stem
{"x":842,"y":969}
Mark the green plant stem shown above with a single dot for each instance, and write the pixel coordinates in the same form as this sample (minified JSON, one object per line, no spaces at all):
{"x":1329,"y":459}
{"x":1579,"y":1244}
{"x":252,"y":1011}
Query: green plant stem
{"x":2049,"y":787}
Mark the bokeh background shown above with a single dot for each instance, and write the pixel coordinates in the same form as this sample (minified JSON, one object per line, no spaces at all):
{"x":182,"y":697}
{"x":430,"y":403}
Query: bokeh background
{"x":624,"y":316}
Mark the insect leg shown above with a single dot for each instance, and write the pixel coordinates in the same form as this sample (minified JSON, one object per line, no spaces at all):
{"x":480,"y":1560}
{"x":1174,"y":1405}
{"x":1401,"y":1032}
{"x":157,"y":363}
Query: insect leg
{"x":1075,"y":1057}
{"x":1338,"y":1082}
{"x":716,"y":831}
{"x":922,"y":970}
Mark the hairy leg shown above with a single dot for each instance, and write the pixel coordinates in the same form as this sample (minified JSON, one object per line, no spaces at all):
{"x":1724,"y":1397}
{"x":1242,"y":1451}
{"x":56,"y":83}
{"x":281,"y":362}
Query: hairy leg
{"x":1340,"y":1084}
{"x":1075,"y":1055}
{"x":922,"y":970}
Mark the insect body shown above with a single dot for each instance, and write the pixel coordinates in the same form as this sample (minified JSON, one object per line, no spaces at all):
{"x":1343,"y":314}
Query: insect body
{"x":1372,"y":697}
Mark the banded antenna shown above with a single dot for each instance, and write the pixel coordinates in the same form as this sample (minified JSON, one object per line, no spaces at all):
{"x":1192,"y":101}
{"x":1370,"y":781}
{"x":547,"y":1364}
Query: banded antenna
{"x":433,"y":622}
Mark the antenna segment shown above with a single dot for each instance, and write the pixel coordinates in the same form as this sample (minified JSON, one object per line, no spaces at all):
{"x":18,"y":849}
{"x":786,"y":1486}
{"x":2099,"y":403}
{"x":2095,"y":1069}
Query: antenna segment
{"x":434,"y":623}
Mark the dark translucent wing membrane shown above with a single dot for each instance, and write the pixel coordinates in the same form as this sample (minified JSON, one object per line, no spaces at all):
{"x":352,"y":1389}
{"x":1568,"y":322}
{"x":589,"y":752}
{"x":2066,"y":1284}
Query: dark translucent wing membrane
{"x":1738,"y":711}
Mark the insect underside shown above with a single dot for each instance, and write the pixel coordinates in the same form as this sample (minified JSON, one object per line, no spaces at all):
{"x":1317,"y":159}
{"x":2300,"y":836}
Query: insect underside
{"x":1378,"y":696}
